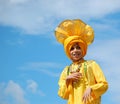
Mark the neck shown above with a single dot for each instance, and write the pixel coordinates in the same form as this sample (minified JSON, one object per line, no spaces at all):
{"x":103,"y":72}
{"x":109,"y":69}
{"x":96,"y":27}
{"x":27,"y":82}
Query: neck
{"x":79,"y":61}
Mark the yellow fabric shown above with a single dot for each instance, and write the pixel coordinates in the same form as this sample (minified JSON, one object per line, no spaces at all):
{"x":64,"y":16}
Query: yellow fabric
{"x":74,"y":27}
{"x":93,"y":78}
{"x":68,"y":30}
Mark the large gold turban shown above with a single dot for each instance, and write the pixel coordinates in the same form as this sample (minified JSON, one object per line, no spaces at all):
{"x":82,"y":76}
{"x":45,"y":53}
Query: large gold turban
{"x":69,"y":32}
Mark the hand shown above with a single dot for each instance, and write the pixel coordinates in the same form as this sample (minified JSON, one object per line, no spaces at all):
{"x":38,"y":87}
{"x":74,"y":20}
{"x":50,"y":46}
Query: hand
{"x":86,"y":95}
{"x":74,"y":77}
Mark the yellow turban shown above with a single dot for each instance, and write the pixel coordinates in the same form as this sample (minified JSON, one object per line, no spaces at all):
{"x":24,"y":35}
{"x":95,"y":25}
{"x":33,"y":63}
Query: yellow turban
{"x":69,"y":32}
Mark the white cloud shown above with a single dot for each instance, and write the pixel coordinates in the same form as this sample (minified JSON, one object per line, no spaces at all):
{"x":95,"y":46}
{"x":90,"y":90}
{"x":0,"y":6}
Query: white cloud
{"x":49,"y":73}
{"x":14,"y":42}
{"x":12,"y":93}
{"x":2,"y":94}
{"x":108,"y":28}
{"x":17,"y":1}
{"x":44,"y":67}
{"x":33,"y":87}
{"x":39,"y":16}
{"x":14,"y":90}
{"x":106,"y":49}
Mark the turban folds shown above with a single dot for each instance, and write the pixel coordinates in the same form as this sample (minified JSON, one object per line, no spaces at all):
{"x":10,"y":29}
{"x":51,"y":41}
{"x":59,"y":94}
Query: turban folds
{"x":69,"y":32}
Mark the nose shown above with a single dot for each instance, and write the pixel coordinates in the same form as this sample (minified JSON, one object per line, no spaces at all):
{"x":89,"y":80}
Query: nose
{"x":75,"y":49}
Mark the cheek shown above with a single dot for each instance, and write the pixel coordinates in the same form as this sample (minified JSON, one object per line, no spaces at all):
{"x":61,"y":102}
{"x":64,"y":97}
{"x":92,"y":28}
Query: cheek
{"x":80,"y":51}
{"x":71,"y":53}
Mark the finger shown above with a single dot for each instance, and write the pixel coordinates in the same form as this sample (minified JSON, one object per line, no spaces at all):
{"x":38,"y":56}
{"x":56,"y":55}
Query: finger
{"x":77,"y":74}
{"x":75,"y":79}
{"x":86,"y":97}
{"x":84,"y":100}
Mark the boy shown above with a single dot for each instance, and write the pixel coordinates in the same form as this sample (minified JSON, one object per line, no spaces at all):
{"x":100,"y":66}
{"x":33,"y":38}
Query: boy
{"x":83,"y":82}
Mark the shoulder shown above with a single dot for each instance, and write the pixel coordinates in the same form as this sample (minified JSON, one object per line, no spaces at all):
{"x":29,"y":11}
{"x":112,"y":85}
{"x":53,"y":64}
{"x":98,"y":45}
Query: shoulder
{"x":92,"y":63}
{"x":64,"y":72}
{"x":65,"y":69}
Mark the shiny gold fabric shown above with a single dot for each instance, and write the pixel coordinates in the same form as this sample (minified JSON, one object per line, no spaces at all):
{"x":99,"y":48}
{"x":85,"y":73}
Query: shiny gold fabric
{"x":68,"y":30}
{"x":93,"y":78}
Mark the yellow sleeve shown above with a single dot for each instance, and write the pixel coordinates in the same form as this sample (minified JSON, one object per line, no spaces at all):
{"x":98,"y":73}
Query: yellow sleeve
{"x":63,"y":90}
{"x":101,"y":84}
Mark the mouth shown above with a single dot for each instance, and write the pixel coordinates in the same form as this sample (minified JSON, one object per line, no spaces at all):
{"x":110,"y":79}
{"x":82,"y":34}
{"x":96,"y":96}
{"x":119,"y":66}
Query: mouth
{"x":76,"y":54}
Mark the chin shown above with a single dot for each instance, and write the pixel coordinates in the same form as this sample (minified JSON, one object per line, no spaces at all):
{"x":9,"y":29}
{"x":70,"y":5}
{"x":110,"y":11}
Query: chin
{"x":75,"y":59}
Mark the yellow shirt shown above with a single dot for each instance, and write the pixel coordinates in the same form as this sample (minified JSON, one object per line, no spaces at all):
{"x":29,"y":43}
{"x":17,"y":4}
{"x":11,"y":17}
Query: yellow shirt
{"x":92,"y":76}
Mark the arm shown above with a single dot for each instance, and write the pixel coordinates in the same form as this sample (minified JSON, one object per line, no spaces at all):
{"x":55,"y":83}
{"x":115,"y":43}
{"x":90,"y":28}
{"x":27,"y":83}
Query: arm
{"x":63,"y":90}
{"x":101,"y":85}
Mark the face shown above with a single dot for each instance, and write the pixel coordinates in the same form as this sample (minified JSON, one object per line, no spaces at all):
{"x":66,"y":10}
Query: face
{"x":75,"y":53}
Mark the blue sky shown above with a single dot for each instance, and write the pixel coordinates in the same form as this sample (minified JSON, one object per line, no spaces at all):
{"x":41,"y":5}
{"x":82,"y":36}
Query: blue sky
{"x":31,"y":59}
